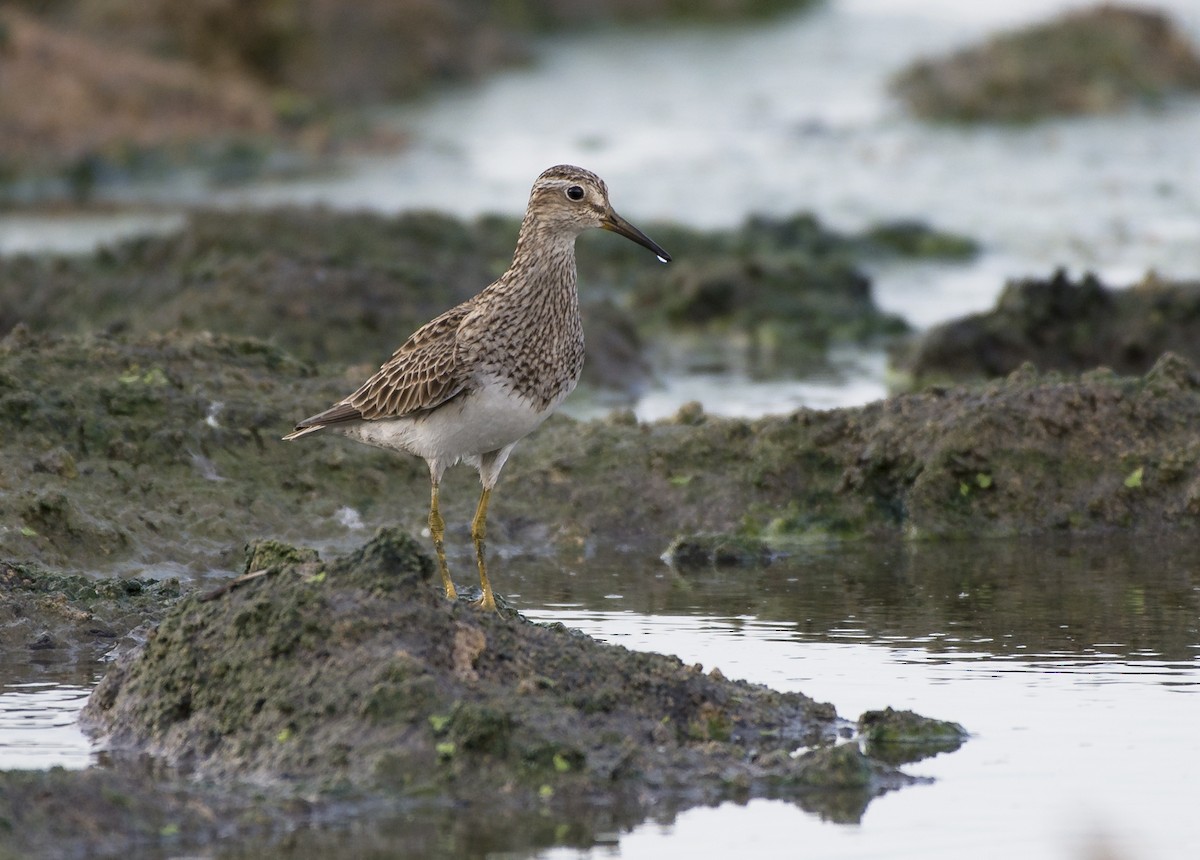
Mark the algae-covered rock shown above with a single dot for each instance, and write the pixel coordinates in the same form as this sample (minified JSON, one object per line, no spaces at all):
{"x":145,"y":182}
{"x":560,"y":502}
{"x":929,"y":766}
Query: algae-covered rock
{"x":1062,"y":324}
{"x":1092,"y":60}
{"x":1025,"y":455}
{"x":778,"y":303}
{"x":161,"y":442}
{"x":898,"y":737}
{"x":357,"y":674}
{"x":916,"y":240}
{"x":264,"y":555}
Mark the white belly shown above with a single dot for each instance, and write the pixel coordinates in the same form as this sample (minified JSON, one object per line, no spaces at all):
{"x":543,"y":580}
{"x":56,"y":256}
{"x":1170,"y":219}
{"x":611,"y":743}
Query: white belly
{"x":487,"y":420}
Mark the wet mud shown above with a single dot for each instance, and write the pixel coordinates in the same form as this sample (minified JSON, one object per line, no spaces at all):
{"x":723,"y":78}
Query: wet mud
{"x":348,"y":288}
{"x":127,"y":454}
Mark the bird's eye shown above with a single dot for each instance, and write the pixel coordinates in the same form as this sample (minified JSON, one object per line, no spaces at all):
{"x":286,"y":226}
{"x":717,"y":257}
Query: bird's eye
{"x":575,"y":192}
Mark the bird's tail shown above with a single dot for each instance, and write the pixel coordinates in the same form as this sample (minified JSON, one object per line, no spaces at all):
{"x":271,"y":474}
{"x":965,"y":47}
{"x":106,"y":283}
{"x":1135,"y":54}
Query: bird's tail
{"x":302,"y":431}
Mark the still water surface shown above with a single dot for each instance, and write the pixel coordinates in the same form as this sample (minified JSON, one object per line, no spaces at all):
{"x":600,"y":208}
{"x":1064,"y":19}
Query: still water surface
{"x":1076,"y":667}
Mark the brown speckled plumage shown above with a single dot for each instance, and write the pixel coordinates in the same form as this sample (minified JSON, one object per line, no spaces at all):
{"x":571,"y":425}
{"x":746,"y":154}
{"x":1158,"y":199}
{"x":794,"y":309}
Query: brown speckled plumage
{"x":471,"y":383}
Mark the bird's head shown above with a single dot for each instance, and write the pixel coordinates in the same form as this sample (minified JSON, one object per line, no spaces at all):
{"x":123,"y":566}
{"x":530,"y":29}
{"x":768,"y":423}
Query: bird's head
{"x":571,"y":198}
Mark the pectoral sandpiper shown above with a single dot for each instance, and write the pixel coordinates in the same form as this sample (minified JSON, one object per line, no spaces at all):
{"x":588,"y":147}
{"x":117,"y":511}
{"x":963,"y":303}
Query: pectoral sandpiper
{"x":476,"y":380}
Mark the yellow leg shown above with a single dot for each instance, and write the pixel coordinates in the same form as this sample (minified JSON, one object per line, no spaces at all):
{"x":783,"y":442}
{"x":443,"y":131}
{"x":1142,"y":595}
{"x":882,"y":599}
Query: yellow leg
{"x":478,"y":533}
{"x":437,"y":530}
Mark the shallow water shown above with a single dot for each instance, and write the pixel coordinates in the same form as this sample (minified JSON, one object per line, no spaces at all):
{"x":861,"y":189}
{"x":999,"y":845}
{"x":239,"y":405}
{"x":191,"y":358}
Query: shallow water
{"x":1075,"y":666}
{"x":706,"y":126}
{"x":76,"y":233}
{"x":852,"y":377}
{"x":38,"y":726}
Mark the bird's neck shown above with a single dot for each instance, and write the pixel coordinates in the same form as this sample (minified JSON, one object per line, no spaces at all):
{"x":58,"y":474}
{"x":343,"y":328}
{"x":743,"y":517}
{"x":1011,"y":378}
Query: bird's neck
{"x":543,"y":251}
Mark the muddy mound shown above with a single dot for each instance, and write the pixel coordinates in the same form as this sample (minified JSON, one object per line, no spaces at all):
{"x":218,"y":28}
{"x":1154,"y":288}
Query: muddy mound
{"x":123,"y":453}
{"x":356,"y":674}
{"x":1028,"y":454}
{"x":136,"y":88}
{"x":120,"y":450}
{"x":1060,"y":324}
{"x":95,"y":99}
{"x":377,"y":50}
{"x":1094,"y":60}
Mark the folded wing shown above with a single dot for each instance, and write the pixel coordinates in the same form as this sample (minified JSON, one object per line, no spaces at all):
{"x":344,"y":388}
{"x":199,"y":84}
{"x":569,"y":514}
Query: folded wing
{"x":422,"y":374}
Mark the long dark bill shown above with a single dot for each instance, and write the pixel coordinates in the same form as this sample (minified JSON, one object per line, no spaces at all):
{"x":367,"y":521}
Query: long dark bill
{"x":620,"y":226}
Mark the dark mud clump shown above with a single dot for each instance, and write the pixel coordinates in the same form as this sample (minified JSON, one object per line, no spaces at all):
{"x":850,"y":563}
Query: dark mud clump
{"x":1060,"y":324}
{"x":1094,"y":60}
{"x":356,"y":677}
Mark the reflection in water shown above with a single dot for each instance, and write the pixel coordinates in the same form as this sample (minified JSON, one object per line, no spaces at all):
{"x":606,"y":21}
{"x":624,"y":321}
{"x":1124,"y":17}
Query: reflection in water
{"x":1028,"y":599}
{"x":1070,"y":662}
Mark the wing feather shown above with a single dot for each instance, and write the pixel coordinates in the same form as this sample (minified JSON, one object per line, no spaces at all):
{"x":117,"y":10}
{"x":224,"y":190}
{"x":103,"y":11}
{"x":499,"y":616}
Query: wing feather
{"x":422,"y":374}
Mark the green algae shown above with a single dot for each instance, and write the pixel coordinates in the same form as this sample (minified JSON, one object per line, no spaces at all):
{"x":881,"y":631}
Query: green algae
{"x":273,"y":555}
{"x":915,"y":240}
{"x":335,"y":287}
{"x":899,"y":737}
{"x":60,"y":616}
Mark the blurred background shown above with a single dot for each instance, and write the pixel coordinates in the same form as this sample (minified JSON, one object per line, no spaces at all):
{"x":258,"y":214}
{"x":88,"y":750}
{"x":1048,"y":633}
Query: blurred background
{"x":117,"y":118}
{"x":987,"y":121}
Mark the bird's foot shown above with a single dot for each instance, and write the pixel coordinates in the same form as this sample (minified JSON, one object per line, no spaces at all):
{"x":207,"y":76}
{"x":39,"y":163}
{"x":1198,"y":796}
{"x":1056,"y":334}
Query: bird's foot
{"x":486,"y":603}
